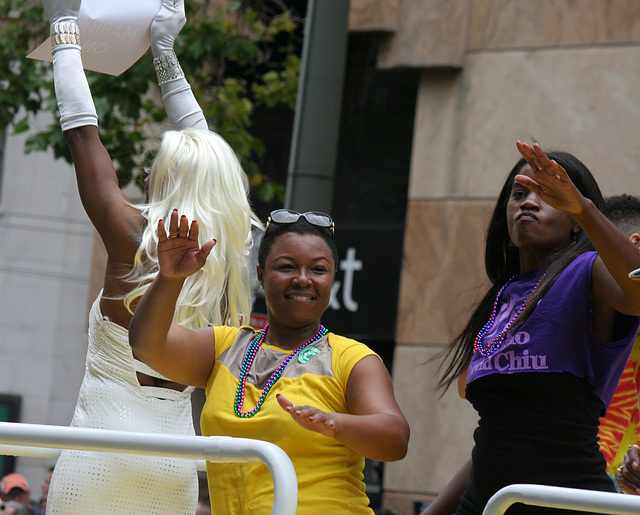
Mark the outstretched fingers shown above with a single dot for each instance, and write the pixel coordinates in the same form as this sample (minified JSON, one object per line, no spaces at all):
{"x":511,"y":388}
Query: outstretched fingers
{"x":628,"y":473}
{"x":550,"y":180}
{"x":173,"y":224}
{"x":309,"y":417}
{"x":527,"y":152}
{"x":162,"y":232}
{"x":285,"y":403}
{"x":179,"y":253}
{"x":183,"y":227}
{"x":178,"y":227}
{"x":540,"y":162}
{"x":206,"y":247}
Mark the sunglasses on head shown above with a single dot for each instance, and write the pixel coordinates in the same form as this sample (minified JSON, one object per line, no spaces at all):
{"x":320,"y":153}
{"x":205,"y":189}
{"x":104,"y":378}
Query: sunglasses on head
{"x":288,"y":216}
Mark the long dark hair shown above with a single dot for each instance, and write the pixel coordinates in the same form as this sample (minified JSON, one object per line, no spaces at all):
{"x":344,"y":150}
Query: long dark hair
{"x":502,"y":261}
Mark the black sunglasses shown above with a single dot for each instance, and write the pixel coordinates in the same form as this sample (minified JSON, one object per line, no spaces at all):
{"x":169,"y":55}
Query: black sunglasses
{"x":288,"y":216}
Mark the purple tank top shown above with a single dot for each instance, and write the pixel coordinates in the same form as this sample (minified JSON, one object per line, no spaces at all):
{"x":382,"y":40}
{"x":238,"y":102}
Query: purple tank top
{"x":557,"y":336}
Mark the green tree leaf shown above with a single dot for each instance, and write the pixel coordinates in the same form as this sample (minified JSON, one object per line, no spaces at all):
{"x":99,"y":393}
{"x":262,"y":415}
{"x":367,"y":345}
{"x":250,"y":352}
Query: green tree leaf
{"x":236,"y":60}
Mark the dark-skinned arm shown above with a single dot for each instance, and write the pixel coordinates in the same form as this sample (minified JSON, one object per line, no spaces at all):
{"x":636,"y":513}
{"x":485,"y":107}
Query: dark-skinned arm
{"x":183,"y":355}
{"x":374,"y":427}
{"x":447,"y":501}
{"x":617,"y":255}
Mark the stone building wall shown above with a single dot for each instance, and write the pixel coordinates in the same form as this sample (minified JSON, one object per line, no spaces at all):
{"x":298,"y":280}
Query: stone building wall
{"x":562,"y":73}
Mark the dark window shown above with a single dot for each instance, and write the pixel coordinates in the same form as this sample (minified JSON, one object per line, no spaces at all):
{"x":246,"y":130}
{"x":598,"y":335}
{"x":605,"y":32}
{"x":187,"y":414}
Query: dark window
{"x":9,"y":412}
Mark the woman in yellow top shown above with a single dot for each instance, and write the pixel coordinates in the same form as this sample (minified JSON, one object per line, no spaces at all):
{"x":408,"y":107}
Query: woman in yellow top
{"x":326,"y":400}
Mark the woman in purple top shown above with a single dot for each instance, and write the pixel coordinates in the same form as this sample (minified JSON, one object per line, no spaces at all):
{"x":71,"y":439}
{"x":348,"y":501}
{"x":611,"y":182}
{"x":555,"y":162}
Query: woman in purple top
{"x":542,"y":352}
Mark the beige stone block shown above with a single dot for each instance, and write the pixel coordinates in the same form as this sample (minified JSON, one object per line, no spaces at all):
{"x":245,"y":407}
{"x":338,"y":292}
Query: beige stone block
{"x":430,"y":33}
{"x":508,"y":24}
{"x":435,"y":138}
{"x":441,"y":429}
{"x":585,"y":101}
{"x":443,"y":267}
{"x":373,"y":15}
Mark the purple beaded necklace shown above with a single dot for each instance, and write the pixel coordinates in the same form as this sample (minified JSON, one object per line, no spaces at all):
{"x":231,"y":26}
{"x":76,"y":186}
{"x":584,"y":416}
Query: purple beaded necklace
{"x":478,"y":344}
{"x":248,"y":361}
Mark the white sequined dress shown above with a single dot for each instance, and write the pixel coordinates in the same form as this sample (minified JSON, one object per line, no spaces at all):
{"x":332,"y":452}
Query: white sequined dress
{"x":88,"y":483}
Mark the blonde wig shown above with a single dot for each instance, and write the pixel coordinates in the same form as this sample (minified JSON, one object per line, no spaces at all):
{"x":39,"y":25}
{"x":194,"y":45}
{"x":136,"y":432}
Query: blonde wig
{"x":198,"y":173}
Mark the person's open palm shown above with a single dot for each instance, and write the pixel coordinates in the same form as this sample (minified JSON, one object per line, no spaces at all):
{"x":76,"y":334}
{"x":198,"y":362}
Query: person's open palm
{"x":551,"y":182}
{"x":309,"y":417}
{"x":179,"y":254}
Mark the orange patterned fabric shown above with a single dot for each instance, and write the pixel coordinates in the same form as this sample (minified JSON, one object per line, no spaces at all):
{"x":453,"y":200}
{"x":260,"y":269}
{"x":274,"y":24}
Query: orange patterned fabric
{"x":621,"y":425}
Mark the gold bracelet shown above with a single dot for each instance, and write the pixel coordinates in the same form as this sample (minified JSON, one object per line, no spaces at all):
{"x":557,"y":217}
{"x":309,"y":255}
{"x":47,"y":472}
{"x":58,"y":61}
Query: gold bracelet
{"x":64,"y":33}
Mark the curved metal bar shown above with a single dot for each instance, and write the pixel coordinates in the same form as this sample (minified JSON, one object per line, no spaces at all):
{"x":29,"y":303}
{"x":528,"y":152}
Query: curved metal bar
{"x":222,"y":449}
{"x":564,"y":498}
{"x":54,"y":454}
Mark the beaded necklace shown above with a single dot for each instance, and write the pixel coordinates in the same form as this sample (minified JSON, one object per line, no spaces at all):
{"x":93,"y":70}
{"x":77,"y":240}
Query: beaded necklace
{"x":248,"y":361}
{"x":478,"y":344}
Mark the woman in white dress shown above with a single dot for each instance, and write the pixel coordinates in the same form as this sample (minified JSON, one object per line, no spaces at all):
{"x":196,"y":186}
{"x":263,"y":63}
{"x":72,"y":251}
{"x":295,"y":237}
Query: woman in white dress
{"x":196,"y":172}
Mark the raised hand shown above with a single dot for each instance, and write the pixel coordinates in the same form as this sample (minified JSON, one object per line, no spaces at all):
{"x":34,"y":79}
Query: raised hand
{"x":166,"y":26}
{"x":628,"y":473}
{"x":179,"y":254}
{"x":56,"y":10}
{"x":551,"y":182}
{"x":309,"y":417}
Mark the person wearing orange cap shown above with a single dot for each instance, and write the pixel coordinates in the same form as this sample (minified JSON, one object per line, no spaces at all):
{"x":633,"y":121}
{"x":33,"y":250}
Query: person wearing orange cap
{"x":14,"y":487}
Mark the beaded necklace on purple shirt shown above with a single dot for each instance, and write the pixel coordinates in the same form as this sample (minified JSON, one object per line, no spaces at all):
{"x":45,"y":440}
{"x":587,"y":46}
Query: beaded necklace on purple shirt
{"x":248,"y":362}
{"x":478,"y":344}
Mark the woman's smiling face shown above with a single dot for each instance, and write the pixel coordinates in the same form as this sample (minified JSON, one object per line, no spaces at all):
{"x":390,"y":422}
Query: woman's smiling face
{"x":297,"y":279}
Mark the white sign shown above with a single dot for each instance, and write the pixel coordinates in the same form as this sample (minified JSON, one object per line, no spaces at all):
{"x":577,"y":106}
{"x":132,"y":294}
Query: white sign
{"x":114,"y":34}
{"x":349,"y":266}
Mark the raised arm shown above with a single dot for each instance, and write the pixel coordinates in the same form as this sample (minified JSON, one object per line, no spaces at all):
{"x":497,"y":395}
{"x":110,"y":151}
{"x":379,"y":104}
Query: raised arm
{"x":617,"y":255}
{"x":105,"y":204}
{"x":447,"y":501}
{"x":374,"y":427}
{"x":181,"y":354}
{"x":180,"y":103}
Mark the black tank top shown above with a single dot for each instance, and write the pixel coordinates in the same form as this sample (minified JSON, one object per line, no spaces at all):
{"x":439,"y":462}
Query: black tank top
{"x":534,"y":428}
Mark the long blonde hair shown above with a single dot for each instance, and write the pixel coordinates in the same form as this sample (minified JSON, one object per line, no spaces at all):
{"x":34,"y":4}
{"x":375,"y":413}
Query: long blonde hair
{"x":198,"y":173}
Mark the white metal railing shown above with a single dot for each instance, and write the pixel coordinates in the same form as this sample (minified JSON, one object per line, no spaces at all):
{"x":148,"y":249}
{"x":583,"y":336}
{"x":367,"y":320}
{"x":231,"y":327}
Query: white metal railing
{"x":54,"y":454}
{"x":39,"y":440}
{"x":563,"y":498}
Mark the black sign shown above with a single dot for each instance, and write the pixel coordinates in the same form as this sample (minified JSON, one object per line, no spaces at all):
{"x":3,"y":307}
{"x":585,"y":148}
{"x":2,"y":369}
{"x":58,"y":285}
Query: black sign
{"x":364,"y":299}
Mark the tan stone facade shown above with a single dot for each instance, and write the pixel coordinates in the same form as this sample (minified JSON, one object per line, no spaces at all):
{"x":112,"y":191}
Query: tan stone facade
{"x":563,"y":73}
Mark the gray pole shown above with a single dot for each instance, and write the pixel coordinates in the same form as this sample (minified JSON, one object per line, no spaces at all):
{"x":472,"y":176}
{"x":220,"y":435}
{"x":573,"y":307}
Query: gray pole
{"x":317,"y":117}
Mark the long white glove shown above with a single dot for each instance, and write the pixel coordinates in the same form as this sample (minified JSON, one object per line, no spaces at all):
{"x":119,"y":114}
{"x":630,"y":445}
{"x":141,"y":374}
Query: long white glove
{"x":72,"y":90}
{"x":180,"y":103}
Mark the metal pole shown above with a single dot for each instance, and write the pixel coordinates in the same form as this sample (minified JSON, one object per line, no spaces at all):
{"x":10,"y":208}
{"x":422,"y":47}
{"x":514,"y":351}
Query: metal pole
{"x":316,"y":122}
